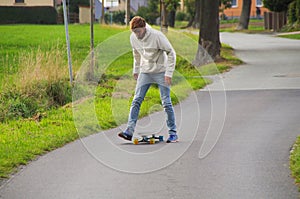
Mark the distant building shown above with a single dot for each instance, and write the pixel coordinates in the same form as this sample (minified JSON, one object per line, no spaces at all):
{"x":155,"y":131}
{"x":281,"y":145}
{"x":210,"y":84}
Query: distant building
{"x":121,"y":4}
{"x":236,"y":9}
{"x":85,"y":12}
{"x":28,"y":3}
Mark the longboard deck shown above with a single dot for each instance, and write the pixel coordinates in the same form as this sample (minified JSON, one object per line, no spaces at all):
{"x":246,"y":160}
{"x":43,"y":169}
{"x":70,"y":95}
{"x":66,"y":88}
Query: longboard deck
{"x":148,"y":137}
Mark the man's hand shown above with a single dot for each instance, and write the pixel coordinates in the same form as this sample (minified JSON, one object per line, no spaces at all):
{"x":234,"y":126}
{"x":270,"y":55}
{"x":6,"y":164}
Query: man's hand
{"x":135,"y":75}
{"x":168,"y":80}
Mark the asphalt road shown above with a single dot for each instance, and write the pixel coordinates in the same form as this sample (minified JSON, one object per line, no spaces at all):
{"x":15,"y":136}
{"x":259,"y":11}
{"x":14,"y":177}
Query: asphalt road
{"x":235,"y":140}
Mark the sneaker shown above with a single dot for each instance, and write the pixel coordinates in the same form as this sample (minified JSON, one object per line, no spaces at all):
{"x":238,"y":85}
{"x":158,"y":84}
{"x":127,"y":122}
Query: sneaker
{"x":173,"y":138}
{"x":125,"y":136}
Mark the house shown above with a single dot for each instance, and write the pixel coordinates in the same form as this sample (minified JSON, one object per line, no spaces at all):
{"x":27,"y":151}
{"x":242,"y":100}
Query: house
{"x":85,"y":12}
{"x":236,"y":9}
{"x":28,"y":3}
{"x":121,"y":4}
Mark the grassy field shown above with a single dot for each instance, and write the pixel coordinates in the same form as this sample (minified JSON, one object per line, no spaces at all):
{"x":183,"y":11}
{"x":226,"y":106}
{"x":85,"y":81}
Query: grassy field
{"x":19,"y":40}
{"x":30,"y":55}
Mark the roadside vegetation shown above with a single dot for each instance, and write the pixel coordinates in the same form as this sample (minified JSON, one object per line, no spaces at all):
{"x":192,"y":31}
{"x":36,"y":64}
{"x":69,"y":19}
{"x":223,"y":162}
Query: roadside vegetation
{"x":291,"y":36}
{"x":295,"y":161}
{"x":295,"y":152}
{"x":35,"y":99}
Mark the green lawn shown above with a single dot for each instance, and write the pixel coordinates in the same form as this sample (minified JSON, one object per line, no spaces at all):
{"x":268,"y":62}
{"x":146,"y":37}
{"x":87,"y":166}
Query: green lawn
{"x":23,"y":139}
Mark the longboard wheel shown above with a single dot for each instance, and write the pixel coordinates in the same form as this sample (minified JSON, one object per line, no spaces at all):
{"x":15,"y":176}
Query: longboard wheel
{"x":152,"y":141}
{"x":135,"y":141}
{"x":161,"y":138}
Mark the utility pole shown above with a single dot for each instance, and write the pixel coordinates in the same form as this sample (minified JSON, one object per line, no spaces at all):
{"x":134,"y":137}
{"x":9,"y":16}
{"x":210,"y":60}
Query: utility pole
{"x":67,"y":40}
{"x":102,"y":11}
{"x":91,"y":72}
{"x":127,"y":17}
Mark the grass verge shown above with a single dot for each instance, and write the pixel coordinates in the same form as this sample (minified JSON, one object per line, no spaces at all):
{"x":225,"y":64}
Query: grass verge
{"x":291,"y":36}
{"x":295,"y":153}
{"x":295,"y":161}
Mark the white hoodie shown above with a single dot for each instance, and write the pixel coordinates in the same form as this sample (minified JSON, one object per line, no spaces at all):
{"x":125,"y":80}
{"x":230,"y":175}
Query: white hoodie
{"x":153,"y":53}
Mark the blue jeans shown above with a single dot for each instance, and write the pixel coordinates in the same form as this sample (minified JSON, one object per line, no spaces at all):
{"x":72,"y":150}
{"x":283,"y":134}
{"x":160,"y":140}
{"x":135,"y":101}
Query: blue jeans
{"x":144,"y":82}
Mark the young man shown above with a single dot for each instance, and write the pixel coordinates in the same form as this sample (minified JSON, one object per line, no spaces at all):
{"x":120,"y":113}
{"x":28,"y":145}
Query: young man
{"x":154,"y":62}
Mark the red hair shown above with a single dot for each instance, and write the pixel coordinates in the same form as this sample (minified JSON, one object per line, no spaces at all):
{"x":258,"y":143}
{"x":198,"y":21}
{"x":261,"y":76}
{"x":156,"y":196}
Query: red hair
{"x":137,"y":22}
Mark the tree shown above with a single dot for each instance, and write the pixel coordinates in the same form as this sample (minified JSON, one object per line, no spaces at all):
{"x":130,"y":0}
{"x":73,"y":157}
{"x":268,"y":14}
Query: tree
{"x":171,"y":7}
{"x":245,"y":15}
{"x":193,"y":8}
{"x":149,"y":13}
{"x":209,"y":36}
{"x":294,"y":12}
{"x":277,"y":5}
{"x":223,"y":5}
{"x":298,"y":10}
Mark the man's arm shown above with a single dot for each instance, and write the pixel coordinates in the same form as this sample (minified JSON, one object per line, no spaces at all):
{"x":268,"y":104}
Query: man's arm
{"x":136,"y":58}
{"x":136,"y":63}
{"x":171,"y":54}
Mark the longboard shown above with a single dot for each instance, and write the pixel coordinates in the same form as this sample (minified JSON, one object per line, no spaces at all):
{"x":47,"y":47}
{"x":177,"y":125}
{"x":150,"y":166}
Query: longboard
{"x":150,"y":138}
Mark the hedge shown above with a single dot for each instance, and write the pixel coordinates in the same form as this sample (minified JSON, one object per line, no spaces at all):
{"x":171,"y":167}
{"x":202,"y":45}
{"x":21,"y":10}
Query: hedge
{"x":28,"y":15}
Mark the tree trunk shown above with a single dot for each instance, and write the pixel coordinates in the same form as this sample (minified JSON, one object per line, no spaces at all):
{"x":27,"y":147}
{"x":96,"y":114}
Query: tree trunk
{"x":196,"y":23}
{"x":195,"y":16}
{"x":172,"y":15}
{"x":245,"y":15}
{"x":209,"y":36}
{"x":164,"y":17}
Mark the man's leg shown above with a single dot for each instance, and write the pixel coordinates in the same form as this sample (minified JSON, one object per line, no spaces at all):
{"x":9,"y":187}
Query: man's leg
{"x":167,"y":104}
{"x":168,"y":107}
{"x":139,"y":96}
{"x":142,"y":86}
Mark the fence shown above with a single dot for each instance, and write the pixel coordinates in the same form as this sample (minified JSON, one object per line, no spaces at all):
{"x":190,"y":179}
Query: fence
{"x":73,"y":18}
{"x":274,"y":20}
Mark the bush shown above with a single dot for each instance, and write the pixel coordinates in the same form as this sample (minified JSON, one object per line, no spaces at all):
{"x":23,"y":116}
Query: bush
{"x":181,"y":16}
{"x":15,"y":105}
{"x":28,"y":15}
{"x":148,"y":15}
{"x":118,"y":17}
{"x":292,"y":13}
{"x":59,"y":93}
{"x":298,"y":10}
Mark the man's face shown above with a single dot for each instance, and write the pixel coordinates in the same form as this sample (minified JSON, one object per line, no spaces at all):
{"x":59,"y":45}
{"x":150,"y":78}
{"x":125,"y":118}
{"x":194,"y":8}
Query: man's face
{"x":139,"y":32}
